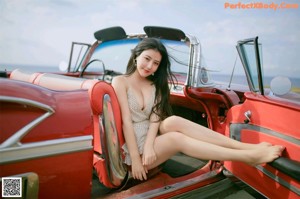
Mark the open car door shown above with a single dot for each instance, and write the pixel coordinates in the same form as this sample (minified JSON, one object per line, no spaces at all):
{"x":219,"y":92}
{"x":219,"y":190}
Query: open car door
{"x":265,"y":117}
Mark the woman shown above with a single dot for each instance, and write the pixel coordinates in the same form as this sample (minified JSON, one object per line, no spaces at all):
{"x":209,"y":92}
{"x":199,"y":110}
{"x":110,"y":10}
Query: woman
{"x":143,"y":95}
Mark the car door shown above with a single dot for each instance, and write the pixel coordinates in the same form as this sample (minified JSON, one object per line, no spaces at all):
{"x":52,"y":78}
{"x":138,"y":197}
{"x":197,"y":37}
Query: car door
{"x":265,"y":117}
{"x":45,"y":141}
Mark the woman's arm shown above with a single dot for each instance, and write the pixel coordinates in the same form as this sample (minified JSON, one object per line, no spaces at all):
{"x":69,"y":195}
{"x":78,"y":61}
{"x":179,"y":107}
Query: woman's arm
{"x":120,"y":86}
{"x":149,"y":155}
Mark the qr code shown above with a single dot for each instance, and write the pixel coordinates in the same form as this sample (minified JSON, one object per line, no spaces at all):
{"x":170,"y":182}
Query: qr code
{"x":11,"y":187}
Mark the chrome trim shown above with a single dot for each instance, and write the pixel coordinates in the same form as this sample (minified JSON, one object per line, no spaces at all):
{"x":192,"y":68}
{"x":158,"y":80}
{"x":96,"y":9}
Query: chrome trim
{"x":16,"y":137}
{"x":235,"y":130}
{"x":196,"y":65}
{"x":279,"y":180}
{"x":45,"y":149}
{"x":194,"y":59}
{"x":173,"y":187}
{"x":27,"y":102}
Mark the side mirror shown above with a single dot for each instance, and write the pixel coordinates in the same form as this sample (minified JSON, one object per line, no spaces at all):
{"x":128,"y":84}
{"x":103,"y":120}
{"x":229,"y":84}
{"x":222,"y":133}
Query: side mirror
{"x":63,"y":66}
{"x":280,"y":85}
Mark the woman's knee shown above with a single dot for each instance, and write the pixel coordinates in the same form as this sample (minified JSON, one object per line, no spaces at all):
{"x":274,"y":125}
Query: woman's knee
{"x":170,"y":124}
{"x":175,"y":138}
{"x":166,"y":146}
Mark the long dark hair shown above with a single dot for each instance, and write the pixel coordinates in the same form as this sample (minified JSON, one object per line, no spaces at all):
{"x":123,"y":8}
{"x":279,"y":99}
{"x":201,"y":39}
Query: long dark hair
{"x":161,"y":77}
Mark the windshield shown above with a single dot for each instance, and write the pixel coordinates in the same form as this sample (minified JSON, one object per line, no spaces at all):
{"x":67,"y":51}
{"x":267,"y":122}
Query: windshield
{"x":115,"y":54}
{"x":250,"y":59}
{"x":278,"y":87}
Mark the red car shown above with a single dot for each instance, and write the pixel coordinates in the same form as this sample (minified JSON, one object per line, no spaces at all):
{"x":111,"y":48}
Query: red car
{"x":61,"y":133}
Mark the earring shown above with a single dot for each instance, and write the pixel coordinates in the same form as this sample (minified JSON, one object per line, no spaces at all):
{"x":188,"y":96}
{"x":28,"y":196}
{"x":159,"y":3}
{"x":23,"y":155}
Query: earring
{"x":153,"y":74}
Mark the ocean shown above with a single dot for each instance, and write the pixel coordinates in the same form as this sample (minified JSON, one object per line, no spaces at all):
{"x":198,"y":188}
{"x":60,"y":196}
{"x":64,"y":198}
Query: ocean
{"x":237,"y":79}
{"x":241,"y":79}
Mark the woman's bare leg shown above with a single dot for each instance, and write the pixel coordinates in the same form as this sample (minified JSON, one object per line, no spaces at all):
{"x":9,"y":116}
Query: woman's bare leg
{"x":196,"y":131}
{"x":170,"y":143}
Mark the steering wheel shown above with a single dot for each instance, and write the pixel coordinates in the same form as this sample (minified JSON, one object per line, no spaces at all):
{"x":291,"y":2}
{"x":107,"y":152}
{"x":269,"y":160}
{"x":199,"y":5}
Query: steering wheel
{"x":94,"y":60}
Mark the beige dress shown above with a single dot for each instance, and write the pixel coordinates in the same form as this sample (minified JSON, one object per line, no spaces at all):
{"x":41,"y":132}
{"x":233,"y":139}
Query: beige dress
{"x":140,"y":120}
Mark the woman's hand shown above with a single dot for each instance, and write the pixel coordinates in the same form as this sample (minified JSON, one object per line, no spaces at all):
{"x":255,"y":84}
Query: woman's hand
{"x":149,"y":155}
{"x":138,"y":170}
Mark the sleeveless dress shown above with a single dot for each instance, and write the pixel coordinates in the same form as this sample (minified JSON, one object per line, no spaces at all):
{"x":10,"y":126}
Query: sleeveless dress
{"x":140,"y":121}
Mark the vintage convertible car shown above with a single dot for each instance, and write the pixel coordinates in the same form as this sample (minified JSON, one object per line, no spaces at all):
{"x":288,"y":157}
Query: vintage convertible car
{"x":62,"y":134}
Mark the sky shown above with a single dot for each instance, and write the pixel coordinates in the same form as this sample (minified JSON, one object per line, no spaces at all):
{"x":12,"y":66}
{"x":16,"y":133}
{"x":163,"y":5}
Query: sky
{"x":40,"y":33}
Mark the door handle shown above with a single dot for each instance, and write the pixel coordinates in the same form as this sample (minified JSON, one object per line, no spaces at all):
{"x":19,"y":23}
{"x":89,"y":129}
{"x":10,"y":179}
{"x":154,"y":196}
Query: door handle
{"x":248,"y":115}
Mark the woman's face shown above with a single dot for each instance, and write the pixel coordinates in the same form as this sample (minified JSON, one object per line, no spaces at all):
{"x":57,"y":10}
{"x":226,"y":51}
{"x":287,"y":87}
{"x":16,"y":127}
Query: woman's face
{"x":148,"y":62}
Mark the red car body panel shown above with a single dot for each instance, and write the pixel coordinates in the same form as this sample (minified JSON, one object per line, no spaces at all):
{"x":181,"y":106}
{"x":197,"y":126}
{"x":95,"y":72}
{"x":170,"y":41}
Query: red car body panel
{"x":63,"y":171}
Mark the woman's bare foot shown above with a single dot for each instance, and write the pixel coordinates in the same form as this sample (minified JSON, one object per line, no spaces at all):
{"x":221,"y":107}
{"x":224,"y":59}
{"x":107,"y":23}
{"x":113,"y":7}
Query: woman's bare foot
{"x":264,"y":144}
{"x":264,"y":154}
{"x":248,"y":146}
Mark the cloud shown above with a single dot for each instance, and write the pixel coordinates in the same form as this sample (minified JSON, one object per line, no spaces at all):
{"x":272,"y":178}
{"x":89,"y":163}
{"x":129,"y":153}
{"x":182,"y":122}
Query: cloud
{"x":41,"y":32}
